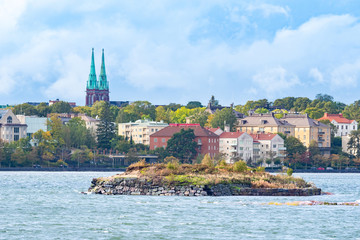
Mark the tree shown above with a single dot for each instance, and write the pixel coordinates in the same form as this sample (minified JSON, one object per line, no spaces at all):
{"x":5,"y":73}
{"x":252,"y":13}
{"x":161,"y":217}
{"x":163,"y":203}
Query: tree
{"x":354,"y":143}
{"x":182,"y":145}
{"x":301,"y":104}
{"x":106,"y":128}
{"x":199,"y":115}
{"x":352,"y":111}
{"x":324,"y":97}
{"x":25,"y":109}
{"x":194,"y":104}
{"x":226,"y":115}
{"x":314,"y":112}
{"x":61,"y":107}
{"x":261,"y":110}
{"x":43,"y":109}
{"x":293,"y":146}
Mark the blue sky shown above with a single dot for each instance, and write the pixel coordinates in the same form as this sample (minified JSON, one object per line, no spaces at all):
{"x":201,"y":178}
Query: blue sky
{"x":179,"y":51}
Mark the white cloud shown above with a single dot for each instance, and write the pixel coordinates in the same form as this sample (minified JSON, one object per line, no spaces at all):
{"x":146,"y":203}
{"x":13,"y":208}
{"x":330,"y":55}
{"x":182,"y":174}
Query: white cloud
{"x":10,"y":12}
{"x":275,"y":80}
{"x":268,"y":9}
{"x":316,"y":75}
{"x":346,"y":75}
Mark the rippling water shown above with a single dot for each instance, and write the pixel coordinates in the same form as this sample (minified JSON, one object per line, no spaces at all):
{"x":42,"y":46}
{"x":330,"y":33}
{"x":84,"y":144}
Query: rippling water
{"x":48,"y":205}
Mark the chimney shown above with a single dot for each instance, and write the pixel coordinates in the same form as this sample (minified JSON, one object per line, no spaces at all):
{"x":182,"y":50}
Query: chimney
{"x":226,"y":128}
{"x":326,"y":114}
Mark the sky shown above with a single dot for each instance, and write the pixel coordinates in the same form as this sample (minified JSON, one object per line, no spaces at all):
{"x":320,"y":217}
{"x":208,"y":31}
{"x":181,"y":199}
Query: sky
{"x":178,"y":51}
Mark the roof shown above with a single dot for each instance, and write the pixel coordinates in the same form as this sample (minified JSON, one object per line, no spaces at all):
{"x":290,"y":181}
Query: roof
{"x":303,"y":120}
{"x":213,"y":129}
{"x":231,"y":134}
{"x":263,"y":136}
{"x":172,"y":129}
{"x":339,"y":118}
{"x":266,"y":119}
{"x":3,"y":112}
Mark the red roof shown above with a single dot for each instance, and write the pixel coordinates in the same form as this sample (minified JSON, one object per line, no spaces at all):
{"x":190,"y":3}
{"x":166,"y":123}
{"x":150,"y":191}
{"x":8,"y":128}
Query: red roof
{"x":231,"y":134}
{"x":263,"y":136}
{"x":337,"y":117}
{"x":173,"y":128}
{"x":213,"y":129}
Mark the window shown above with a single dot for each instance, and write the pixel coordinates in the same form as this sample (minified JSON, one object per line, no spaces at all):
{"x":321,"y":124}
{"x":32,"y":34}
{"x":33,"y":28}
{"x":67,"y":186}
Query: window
{"x":16,"y":137}
{"x":346,"y":127}
{"x":9,"y":119}
{"x":163,"y":140}
{"x":155,"y":147}
{"x":16,"y":130}
{"x":155,"y":139}
{"x":304,"y":137}
{"x":274,"y":145}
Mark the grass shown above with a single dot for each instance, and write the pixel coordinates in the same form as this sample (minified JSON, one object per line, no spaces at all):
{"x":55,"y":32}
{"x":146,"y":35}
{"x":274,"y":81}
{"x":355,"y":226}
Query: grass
{"x":173,"y":173}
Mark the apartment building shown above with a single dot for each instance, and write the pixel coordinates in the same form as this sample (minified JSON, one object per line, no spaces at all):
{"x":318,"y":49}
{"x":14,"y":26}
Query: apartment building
{"x":268,"y":146}
{"x":307,"y":130}
{"x":207,"y":141}
{"x":236,"y":145}
{"x":140,"y":130}
{"x":264,"y":123}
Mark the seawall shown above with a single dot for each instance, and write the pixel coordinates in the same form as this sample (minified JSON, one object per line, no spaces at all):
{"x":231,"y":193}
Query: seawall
{"x":136,"y":186}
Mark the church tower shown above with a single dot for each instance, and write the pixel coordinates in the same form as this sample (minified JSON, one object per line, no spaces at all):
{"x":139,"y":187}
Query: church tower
{"x":103,"y":84}
{"x":97,"y":90}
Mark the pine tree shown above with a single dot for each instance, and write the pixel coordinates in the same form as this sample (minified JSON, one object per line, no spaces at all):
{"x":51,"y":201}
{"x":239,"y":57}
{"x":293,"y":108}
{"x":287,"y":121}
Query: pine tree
{"x":106,"y":128}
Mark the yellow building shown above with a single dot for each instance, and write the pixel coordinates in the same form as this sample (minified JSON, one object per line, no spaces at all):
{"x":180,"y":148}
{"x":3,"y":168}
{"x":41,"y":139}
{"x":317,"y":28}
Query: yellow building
{"x":140,"y":130}
{"x":264,"y":123}
{"x":307,"y":130}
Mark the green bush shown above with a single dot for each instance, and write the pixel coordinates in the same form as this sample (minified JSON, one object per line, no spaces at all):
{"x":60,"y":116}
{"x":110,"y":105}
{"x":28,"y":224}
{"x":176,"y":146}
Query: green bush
{"x":289,"y":172}
{"x":208,"y":161}
{"x":240,"y":166}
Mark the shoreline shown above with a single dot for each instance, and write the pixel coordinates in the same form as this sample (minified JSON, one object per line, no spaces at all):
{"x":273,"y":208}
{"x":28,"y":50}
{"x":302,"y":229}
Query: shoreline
{"x":52,"y":169}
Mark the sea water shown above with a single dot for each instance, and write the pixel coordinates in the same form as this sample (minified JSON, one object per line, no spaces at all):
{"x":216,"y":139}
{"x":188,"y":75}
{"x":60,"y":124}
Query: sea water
{"x":49,"y":205}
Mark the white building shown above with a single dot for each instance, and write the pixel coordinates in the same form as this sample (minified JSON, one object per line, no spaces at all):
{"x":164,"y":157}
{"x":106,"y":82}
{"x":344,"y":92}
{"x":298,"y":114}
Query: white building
{"x":140,"y":130}
{"x":11,"y":129}
{"x":344,"y":126}
{"x":268,"y":146}
{"x":236,"y":145}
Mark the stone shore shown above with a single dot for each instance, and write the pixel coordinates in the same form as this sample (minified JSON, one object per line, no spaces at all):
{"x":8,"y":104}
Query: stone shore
{"x":139,"y":186}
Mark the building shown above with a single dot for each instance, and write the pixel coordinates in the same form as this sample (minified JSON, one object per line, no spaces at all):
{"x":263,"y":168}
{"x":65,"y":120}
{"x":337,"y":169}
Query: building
{"x":34,"y":124}
{"x":264,"y":123}
{"x":90,"y":123}
{"x":207,"y":141}
{"x":218,"y":131}
{"x":140,"y":130}
{"x":307,"y":130}
{"x":51,"y":102}
{"x":344,"y":126}
{"x":236,"y":145}
{"x":97,"y":90}
{"x":11,"y":129}
{"x":268,"y":146}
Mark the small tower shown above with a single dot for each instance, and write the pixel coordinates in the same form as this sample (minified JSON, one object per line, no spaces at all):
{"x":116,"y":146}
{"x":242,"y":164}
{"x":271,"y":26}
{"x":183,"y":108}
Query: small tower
{"x":92,"y":84}
{"x":103,"y":84}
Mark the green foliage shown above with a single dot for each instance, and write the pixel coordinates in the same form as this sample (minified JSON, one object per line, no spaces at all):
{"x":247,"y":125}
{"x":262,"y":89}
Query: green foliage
{"x":261,"y":110}
{"x":208,"y":161}
{"x":173,"y":164}
{"x":106,"y":128}
{"x":61,"y":107}
{"x":354,"y":143}
{"x":225,"y":115}
{"x":289,"y":172}
{"x":352,"y":111}
{"x":136,"y":110}
{"x":25,"y":109}
{"x":240,"y":166}
{"x":182,"y":145}
{"x":194,"y":104}
{"x":294,"y":146}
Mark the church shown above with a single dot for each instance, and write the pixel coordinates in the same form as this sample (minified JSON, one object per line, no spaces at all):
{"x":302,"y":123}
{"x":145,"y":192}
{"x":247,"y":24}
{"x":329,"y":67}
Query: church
{"x":97,"y":90}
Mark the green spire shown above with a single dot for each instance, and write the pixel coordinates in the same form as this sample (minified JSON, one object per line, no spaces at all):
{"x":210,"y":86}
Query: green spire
{"x":92,"y":81}
{"x":103,"y":83}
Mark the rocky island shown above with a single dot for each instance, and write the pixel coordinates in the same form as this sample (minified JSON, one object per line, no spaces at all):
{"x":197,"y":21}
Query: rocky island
{"x":174,"y":179}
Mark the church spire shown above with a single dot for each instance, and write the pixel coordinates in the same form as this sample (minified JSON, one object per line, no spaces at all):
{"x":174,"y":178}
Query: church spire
{"x":103,"y":83}
{"x":92,"y":81}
